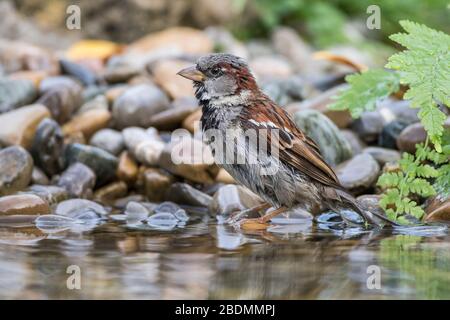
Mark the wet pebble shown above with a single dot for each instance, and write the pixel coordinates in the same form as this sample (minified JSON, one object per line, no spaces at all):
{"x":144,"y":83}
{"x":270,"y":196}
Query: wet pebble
{"x":18,"y":127}
{"x":233,"y":198}
{"x":356,"y":144}
{"x":410,"y":136}
{"x":80,"y":209}
{"x":288,"y":43}
{"x":100,"y":161}
{"x":165,"y":75}
{"x":368,"y":126}
{"x":224,"y":177}
{"x":109,"y":140}
{"x":341,"y":118}
{"x":50,"y":194}
{"x":413,"y":134}
{"x":359,"y":173}
{"x":440,"y":211}
{"x":167,"y":206}
{"x":172,"y":118}
{"x":173,"y":40}
{"x":182,"y":193}
{"x":39,"y":177}
{"x":333,"y":146}
{"x":192,"y":121}
{"x":17,"y":55}
{"x":47,"y":147}
{"x":370,"y":201}
{"x":116,"y":73}
{"x":143,"y":145}
{"x":15,"y":93}
{"x":270,"y":67}
{"x":111,"y":191}
{"x":121,"y":203}
{"x":286,"y":90}
{"x":173,"y":208}
{"x":87,"y":122}
{"x":78,"y":71}
{"x":163,"y":221}
{"x":189,"y":158}
{"x":16,"y":167}
{"x":135,"y":212}
{"x":398,"y":110}
{"x":383,"y":155}
{"x":390,"y":132}
{"x":127,"y":169}
{"x":136,"y":105}
{"x":293,"y":216}
{"x":26,"y":204}
{"x":154,"y":183}
{"x":34,"y":76}
{"x":99,"y":102}
{"x":78,"y":179}
{"x":61,"y":95}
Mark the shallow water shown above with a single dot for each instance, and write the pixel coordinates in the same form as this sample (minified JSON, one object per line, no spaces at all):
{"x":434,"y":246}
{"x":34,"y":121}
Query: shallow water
{"x":204,"y":260}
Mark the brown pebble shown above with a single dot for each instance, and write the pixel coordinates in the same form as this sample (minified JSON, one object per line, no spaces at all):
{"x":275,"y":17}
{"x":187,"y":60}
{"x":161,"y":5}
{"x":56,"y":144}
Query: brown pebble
{"x":127,"y":169}
{"x":224,"y":177}
{"x":165,"y":73}
{"x":190,"y":123}
{"x":440,"y":211}
{"x":155,"y":183}
{"x":88,"y":122}
{"x":17,"y":127}
{"x":111,"y":191}
{"x":27,"y":204}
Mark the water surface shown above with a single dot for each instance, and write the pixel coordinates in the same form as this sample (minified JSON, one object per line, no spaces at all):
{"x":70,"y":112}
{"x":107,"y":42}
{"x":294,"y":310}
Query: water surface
{"x":204,"y":260}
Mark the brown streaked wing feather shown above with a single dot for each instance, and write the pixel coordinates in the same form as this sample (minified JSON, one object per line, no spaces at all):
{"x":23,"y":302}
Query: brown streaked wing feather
{"x":300,"y":151}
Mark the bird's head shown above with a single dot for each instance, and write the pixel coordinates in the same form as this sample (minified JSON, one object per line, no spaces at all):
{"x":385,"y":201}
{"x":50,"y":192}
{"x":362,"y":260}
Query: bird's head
{"x":219,"y":75}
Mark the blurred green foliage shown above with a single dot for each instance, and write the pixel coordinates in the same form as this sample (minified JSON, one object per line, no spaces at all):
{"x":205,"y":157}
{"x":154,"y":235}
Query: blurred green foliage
{"x":323,"y":22}
{"x":426,"y":267}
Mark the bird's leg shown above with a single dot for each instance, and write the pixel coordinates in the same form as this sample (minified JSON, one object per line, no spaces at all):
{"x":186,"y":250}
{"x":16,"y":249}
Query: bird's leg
{"x":261,"y":223}
{"x":238,"y":215}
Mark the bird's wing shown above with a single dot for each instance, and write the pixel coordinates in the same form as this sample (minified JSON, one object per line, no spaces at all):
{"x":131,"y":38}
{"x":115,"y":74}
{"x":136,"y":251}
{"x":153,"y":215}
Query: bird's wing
{"x":294,"y":147}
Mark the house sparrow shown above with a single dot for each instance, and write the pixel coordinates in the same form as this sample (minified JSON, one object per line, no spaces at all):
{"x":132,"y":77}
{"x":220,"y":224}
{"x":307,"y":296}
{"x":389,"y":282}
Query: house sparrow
{"x":232,"y":104}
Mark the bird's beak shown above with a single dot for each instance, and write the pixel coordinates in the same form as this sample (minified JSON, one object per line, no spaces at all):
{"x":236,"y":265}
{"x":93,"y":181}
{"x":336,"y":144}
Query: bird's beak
{"x":192,"y":73}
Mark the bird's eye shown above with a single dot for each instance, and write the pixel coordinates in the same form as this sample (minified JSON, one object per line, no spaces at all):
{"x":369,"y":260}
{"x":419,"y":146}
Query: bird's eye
{"x":215,"y":71}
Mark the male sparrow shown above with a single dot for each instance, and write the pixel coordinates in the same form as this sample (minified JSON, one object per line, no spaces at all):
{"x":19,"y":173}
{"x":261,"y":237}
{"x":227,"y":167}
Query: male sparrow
{"x":291,"y":171}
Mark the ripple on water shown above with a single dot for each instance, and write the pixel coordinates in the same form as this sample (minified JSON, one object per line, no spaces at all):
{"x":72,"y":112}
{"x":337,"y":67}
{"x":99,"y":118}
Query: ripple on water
{"x":428,"y":230}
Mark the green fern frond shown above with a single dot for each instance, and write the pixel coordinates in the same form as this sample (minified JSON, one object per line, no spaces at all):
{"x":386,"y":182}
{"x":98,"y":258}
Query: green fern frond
{"x":421,"y":187}
{"x":424,"y":66}
{"x":426,"y":171}
{"x":442,"y":183}
{"x":388,"y":198}
{"x":390,"y":179}
{"x":407,"y":164}
{"x":365,"y":90}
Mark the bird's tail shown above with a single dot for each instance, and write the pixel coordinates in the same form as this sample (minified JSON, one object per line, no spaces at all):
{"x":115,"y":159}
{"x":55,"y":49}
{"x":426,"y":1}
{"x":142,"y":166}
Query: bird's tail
{"x":373,"y":216}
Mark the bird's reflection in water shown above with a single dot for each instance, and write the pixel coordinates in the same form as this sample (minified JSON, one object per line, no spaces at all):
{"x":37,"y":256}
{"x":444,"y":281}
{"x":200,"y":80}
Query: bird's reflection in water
{"x":204,"y":260}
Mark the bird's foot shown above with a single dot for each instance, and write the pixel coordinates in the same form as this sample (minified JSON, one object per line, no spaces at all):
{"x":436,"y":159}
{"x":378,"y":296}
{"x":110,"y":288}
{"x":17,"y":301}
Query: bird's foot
{"x":241,"y":214}
{"x":253,"y":224}
{"x":262,"y":222}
